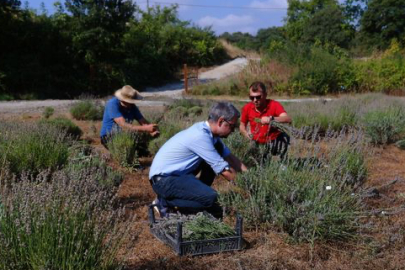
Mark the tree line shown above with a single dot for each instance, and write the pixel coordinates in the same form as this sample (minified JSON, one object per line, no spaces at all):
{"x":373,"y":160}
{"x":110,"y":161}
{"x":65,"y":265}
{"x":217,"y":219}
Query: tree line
{"x":95,"y":46}
{"x":360,"y":26}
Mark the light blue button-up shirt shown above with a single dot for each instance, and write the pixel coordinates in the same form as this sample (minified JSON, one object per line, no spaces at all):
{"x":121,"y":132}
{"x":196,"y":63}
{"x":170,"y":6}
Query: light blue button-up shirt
{"x":184,"y":152}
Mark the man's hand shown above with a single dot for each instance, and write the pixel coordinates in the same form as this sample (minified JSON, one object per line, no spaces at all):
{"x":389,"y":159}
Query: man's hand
{"x":265,"y":120}
{"x":155,"y":133}
{"x":150,"y":128}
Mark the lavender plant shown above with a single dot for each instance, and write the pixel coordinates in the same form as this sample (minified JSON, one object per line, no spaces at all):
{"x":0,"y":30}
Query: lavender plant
{"x":32,"y":147}
{"x":312,"y":194}
{"x":65,"y":125}
{"x":84,"y":159}
{"x":65,"y":223}
{"x":87,"y":109}
{"x":385,"y":125}
{"x":401,"y":144}
{"x":125,"y":148}
{"x":48,"y":112}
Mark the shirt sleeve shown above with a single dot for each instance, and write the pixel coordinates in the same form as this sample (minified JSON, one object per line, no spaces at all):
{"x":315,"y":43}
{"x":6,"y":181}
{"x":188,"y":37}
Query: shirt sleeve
{"x":244,"y":118}
{"x":137,"y":114}
{"x":225,"y":150}
{"x":279,"y":109}
{"x":114,"y":110}
{"x":204,"y":148}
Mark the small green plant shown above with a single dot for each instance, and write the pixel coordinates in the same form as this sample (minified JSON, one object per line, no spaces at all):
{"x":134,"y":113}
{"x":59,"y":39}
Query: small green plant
{"x":125,"y":147}
{"x":32,"y":148}
{"x":48,"y":112}
{"x":85,"y":160}
{"x":385,"y":126}
{"x":167,"y":131}
{"x":87,"y":110}
{"x":195,"y":111}
{"x":401,"y":144}
{"x":65,"y":125}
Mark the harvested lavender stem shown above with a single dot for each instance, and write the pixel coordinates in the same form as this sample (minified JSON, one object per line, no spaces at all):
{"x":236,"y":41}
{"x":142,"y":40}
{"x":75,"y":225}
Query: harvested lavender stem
{"x":201,"y":226}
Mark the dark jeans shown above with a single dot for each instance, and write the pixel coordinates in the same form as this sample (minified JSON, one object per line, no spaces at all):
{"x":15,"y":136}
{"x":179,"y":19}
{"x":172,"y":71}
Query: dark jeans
{"x":189,"y":194}
{"x":104,"y":140}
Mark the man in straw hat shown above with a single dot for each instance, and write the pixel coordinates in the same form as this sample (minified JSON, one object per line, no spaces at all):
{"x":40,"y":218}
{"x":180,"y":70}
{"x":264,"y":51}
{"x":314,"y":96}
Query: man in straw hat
{"x":120,"y":111}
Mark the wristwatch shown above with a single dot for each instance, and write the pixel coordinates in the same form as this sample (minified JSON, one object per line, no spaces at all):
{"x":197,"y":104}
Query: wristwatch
{"x":227,"y":168}
{"x":272,"y":118}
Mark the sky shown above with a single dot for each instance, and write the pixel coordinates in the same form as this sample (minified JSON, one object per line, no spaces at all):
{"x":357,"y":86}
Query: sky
{"x":246,"y":16}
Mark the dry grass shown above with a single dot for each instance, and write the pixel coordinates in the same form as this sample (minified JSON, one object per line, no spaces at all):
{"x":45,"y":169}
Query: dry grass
{"x":235,"y":52}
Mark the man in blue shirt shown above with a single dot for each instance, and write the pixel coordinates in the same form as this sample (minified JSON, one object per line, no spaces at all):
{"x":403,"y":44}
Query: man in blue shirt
{"x":120,"y":111}
{"x":198,"y":149}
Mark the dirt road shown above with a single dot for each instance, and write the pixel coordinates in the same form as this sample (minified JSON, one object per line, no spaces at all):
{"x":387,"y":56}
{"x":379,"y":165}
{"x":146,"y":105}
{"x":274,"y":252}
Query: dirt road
{"x":164,"y":93}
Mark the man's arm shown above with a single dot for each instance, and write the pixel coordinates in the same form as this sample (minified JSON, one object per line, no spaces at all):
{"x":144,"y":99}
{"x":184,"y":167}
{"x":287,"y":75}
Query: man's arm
{"x":282,"y":118}
{"x":243,"y":130}
{"x":235,"y":163}
{"x":150,"y":128}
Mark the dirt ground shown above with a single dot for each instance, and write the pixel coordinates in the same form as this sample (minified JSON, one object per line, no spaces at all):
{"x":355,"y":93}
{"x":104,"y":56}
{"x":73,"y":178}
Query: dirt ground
{"x":381,"y":245}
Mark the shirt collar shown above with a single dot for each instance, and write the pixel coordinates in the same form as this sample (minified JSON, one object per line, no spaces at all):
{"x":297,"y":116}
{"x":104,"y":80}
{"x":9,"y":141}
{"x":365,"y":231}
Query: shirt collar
{"x":265,"y":108}
{"x":209,"y":129}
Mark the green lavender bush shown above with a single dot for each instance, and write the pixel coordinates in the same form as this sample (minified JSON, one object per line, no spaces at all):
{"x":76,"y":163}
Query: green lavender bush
{"x":178,"y":116}
{"x":48,"y":112}
{"x":32,"y":148}
{"x":87,"y":110}
{"x":126,"y":147}
{"x":311,"y":195}
{"x":385,"y":125}
{"x":65,"y":223}
{"x":65,"y":125}
{"x":401,"y":144}
{"x":84,"y":159}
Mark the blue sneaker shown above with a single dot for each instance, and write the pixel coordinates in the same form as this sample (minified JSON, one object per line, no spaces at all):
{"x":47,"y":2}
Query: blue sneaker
{"x":159,"y":208}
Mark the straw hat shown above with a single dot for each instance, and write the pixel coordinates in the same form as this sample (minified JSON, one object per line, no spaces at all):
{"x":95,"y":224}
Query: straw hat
{"x":128,"y":94}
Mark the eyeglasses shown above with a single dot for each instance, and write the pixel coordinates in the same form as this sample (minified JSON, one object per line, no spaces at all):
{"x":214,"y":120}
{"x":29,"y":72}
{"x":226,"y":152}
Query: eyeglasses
{"x":255,"y":97}
{"x":232,"y":126}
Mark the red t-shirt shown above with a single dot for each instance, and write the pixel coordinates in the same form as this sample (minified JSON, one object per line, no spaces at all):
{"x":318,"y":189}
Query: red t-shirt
{"x":261,"y":133}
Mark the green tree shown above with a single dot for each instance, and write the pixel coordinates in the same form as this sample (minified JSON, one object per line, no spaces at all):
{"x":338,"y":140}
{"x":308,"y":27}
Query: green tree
{"x":97,"y":28}
{"x":318,"y":21}
{"x":382,"y":21}
{"x":159,"y":43}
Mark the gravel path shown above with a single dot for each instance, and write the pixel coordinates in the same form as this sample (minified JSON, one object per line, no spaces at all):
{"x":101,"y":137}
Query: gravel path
{"x":175,"y":90}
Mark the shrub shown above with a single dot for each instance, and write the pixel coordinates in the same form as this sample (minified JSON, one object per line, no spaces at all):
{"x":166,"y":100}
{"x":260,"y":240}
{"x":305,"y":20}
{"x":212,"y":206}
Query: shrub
{"x":380,"y":74}
{"x":310,"y":195}
{"x":65,"y":223}
{"x":65,"y":125}
{"x":87,"y":110}
{"x":385,"y":125}
{"x":401,"y":144}
{"x":126,"y":147}
{"x":247,"y":151}
{"x":167,"y":130}
{"x":32,"y":148}
{"x":87,"y":161}
{"x":48,"y":112}
{"x":180,"y":115}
